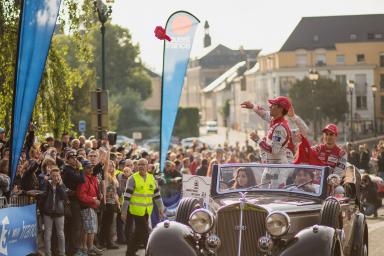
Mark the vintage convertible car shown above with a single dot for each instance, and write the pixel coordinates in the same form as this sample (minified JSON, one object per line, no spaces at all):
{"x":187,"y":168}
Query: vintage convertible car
{"x":284,"y":210}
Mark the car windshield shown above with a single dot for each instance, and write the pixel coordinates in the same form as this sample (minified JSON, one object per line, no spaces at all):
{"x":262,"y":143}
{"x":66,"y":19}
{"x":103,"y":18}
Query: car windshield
{"x":289,"y":178}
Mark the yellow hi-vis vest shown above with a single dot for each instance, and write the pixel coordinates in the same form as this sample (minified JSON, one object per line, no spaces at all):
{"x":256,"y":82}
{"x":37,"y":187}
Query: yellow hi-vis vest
{"x":141,"y":199}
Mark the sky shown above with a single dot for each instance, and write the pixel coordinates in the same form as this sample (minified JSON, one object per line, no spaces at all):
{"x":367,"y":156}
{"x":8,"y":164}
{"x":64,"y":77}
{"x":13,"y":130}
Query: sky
{"x":253,"y":24}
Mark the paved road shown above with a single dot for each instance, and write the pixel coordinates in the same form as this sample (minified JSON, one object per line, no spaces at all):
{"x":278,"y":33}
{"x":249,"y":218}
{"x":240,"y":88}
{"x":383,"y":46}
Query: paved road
{"x":232,"y":138}
{"x":376,"y":241}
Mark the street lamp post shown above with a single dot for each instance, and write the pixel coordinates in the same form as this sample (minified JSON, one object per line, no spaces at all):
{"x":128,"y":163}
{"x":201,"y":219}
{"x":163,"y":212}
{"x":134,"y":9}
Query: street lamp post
{"x":104,"y":11}
{"x":313,"y":76}
{"x":351,"y":86}
{"x":374,"y":89}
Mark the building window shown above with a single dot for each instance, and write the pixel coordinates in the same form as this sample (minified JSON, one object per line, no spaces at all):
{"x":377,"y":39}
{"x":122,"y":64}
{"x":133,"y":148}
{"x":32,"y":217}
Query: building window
{"x":370,"y":36}
{"x":382,"y":59}
{"x":361,"y":102}
{"x":381,"y":82}
{"x":360,"y":58}
{"x":243,"y":84}
{"x":361,"y":91}
{"x":382,"y":104}
{"x":340,"y":59}
{"x":353,"y":36}
{"x":378,"y":36}
{"x":285,"y":83}
{"x":316,"y":38}
{"x":301,"y":59}
{"x":342,"y":79}
{"x":320,"y":60}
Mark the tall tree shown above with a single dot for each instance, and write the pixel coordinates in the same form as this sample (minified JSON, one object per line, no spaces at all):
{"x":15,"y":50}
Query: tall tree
{"x":126,"y":80}
{"x":122,"y":63}
{"x":53,"y":106}
{"x":328,"y":96}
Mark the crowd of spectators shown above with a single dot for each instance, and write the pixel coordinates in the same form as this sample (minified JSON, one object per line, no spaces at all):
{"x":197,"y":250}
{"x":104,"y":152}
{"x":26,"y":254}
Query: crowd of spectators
{"x":83,"y":180}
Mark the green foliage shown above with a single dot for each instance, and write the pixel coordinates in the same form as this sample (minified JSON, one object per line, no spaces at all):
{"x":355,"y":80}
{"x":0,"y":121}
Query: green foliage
{"x":9,"y":11}
{"x":73,"y":63}
{"x":122,"y":66}
{"x":53,"y":106}
{"x":187,"y":123}
{"x":328,"y":94}
{"x":225,"y":110}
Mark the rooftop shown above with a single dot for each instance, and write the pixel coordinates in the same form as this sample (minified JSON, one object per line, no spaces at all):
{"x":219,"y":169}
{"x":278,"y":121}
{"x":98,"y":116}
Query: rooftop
{"x":324,"y":32}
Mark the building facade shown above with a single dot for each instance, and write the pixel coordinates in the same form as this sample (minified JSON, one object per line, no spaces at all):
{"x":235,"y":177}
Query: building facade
{"x":349,"y":49}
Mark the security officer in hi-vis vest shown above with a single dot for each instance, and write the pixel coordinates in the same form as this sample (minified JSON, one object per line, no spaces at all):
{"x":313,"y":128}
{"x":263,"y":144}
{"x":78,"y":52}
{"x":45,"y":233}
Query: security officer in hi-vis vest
{"x":141,"y":190}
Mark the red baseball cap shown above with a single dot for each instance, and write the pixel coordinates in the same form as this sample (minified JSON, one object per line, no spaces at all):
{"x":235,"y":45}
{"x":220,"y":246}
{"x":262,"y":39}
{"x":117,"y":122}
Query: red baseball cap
{"x":282,"y":101}
{"x":331,"y":128}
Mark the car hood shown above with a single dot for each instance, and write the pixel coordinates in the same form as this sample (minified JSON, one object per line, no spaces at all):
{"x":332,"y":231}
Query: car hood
{"x":273,"y":202}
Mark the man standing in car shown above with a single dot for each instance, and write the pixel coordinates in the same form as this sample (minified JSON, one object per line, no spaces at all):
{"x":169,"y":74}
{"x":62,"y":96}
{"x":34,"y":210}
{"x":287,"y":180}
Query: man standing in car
{"x":274,"y":147}
{"x":329,"y":153}
{"x":275,"y":144}
{"x":266,"y":116}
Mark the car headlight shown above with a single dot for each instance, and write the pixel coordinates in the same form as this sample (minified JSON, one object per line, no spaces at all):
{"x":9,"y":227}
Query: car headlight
{"x":201,"y":221}
{"x":277,"y":223}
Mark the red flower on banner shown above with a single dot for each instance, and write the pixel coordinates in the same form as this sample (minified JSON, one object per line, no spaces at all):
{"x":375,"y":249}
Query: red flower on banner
{"x":160,"y":34}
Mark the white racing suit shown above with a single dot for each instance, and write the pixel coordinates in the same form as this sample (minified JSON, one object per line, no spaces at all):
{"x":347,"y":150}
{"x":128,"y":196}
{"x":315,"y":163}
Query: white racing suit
{"x":303,"y":129}
{"x":274,"y":149}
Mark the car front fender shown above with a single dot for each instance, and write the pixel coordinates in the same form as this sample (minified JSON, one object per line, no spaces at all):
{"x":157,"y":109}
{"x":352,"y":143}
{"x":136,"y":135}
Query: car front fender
{"x":171,"y":238}
{"x":314,"y":241}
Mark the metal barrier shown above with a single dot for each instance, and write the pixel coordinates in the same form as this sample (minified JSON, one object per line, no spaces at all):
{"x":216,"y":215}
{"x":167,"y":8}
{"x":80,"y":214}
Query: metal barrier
{"x":19,"y":200}
{"x":3,"y":202}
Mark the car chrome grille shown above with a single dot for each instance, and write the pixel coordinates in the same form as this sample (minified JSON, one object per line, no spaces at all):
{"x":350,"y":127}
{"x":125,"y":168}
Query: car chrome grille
{"x":228,"y":220}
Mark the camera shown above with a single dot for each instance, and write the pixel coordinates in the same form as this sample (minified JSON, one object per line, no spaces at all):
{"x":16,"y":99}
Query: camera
{"x":112,"y":138}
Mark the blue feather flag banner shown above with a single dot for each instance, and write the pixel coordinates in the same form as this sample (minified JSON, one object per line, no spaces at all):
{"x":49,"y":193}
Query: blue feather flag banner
{"x":37,"y":24}
{"x":181,"y":27}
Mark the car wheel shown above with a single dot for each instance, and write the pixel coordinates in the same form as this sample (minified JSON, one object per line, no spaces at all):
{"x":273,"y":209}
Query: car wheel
{"x":363,"y":249}
{"x":329,"y":215}
{"x":185,"y":208}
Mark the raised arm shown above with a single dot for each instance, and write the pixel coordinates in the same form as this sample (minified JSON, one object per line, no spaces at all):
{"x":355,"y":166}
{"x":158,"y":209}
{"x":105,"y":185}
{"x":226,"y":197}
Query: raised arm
{"x":259,"y":110}
{"x":301,"y":125}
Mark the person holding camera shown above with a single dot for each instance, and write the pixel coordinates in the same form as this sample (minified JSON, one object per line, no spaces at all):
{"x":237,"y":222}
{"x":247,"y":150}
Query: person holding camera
{"x":73,"y":177}
{"x":53,"y":203}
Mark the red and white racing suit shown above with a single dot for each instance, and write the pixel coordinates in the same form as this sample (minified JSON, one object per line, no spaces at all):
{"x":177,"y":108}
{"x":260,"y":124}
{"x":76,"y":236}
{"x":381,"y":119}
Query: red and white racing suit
{"x":335,"y":157}
{"x":274,"y":149}
{"x":303,"y":129}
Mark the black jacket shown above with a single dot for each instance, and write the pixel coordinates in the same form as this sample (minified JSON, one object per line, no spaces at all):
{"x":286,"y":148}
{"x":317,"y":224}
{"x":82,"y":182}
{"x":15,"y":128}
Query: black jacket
{"x":370,"y":193}
{"x":72,"y":178}
{"x":53,"y":200}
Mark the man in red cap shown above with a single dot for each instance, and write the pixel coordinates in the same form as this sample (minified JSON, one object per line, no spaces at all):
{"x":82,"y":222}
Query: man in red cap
{"x":329,"y":153}
{"x":274,"y":145}
{"x":266,"y":116}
